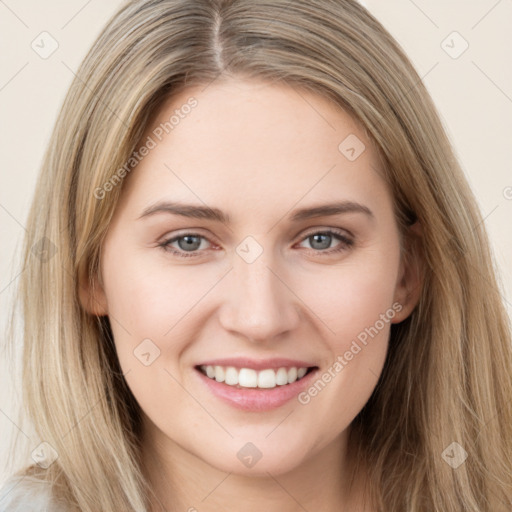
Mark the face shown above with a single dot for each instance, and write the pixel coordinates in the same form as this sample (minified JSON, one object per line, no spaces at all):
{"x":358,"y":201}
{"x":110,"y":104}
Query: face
{"x":255,"y":243}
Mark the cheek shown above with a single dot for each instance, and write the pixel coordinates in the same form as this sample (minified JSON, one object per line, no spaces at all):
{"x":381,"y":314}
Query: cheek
{"x":352,"y":297}
{"x":148,"y":309}
{"x":152,"y":301}
{"x":356,"y":308}
{"x":144,"y":296}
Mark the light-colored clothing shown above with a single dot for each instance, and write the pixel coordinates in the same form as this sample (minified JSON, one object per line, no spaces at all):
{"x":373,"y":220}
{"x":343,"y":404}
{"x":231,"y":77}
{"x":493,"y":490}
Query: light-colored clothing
{"x":27,"y":494}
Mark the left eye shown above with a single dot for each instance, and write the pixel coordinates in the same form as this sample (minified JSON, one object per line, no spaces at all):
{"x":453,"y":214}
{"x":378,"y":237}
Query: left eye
{"x":191,"y":242}
{"x":324,"y":239}
{"x":186,"y":243}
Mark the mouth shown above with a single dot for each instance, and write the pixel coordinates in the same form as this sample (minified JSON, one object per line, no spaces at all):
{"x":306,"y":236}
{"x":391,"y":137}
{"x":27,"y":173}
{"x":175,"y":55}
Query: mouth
{"x":255,"y":385}
{"x":240,"y":377}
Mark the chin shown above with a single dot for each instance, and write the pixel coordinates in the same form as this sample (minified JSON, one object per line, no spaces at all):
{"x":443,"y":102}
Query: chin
{"x":258,"y":457}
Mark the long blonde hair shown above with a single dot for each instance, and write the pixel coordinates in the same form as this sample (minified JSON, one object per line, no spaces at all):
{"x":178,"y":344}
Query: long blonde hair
{"x":448,"y":374}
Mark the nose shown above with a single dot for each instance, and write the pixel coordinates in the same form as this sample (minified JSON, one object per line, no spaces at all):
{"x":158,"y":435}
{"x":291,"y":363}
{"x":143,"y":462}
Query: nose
{"x":258,"y":305}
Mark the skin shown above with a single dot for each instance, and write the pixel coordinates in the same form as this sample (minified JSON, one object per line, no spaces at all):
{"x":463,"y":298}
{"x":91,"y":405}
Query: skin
{"x":257,"y":151}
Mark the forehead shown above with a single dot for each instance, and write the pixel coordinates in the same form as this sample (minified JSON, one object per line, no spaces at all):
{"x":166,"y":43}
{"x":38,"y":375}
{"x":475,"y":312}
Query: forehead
{"x":250,"y":144}
{"x":256,"y":115}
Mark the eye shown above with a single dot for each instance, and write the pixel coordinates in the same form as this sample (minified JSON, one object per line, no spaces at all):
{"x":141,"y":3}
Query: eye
{"x":188,"y":244}
{"x":321,"y":240}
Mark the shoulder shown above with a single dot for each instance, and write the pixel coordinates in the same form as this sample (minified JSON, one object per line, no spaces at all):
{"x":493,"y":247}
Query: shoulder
{"x":27,"y":494}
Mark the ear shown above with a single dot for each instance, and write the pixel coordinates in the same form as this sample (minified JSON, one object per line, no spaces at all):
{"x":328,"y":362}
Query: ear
{"x":411,"y":273}
{"x":91,"y":294}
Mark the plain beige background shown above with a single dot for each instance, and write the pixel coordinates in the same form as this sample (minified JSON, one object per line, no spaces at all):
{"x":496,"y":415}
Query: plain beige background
{"x":460,"y":49}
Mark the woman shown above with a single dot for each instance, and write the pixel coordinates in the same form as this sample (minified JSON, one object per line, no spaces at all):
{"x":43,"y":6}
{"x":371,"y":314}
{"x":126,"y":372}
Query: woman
{"x":189,"y":346}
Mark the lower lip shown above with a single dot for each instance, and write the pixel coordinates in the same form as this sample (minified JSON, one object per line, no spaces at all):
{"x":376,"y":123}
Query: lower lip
{"x":255,"y":399}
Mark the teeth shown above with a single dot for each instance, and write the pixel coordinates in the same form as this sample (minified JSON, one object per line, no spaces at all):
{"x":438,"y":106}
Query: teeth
{"x":249,"y":378}
{"x":231,"y":376}
{"x":219,"y":374}
{"x":267,"y":379}
{"x":281,"y":377}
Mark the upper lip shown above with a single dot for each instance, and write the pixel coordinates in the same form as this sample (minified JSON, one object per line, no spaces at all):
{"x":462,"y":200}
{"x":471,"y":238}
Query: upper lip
{"x":257,"y":364}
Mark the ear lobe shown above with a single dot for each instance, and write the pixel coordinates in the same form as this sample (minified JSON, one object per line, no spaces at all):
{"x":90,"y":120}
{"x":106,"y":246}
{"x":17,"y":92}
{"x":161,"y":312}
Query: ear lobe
{"x":411,"y":275}
{"x":91,"y":295}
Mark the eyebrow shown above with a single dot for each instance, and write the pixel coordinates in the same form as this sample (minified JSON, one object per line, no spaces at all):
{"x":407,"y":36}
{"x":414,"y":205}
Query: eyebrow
{"x":207,"y":213}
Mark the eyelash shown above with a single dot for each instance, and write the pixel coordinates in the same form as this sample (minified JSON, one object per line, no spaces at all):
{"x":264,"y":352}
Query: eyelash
{"x":345,"y":244}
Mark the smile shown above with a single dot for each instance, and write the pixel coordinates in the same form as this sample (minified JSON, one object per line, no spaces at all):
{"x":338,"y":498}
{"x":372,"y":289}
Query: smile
{"x":267,"y":378}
